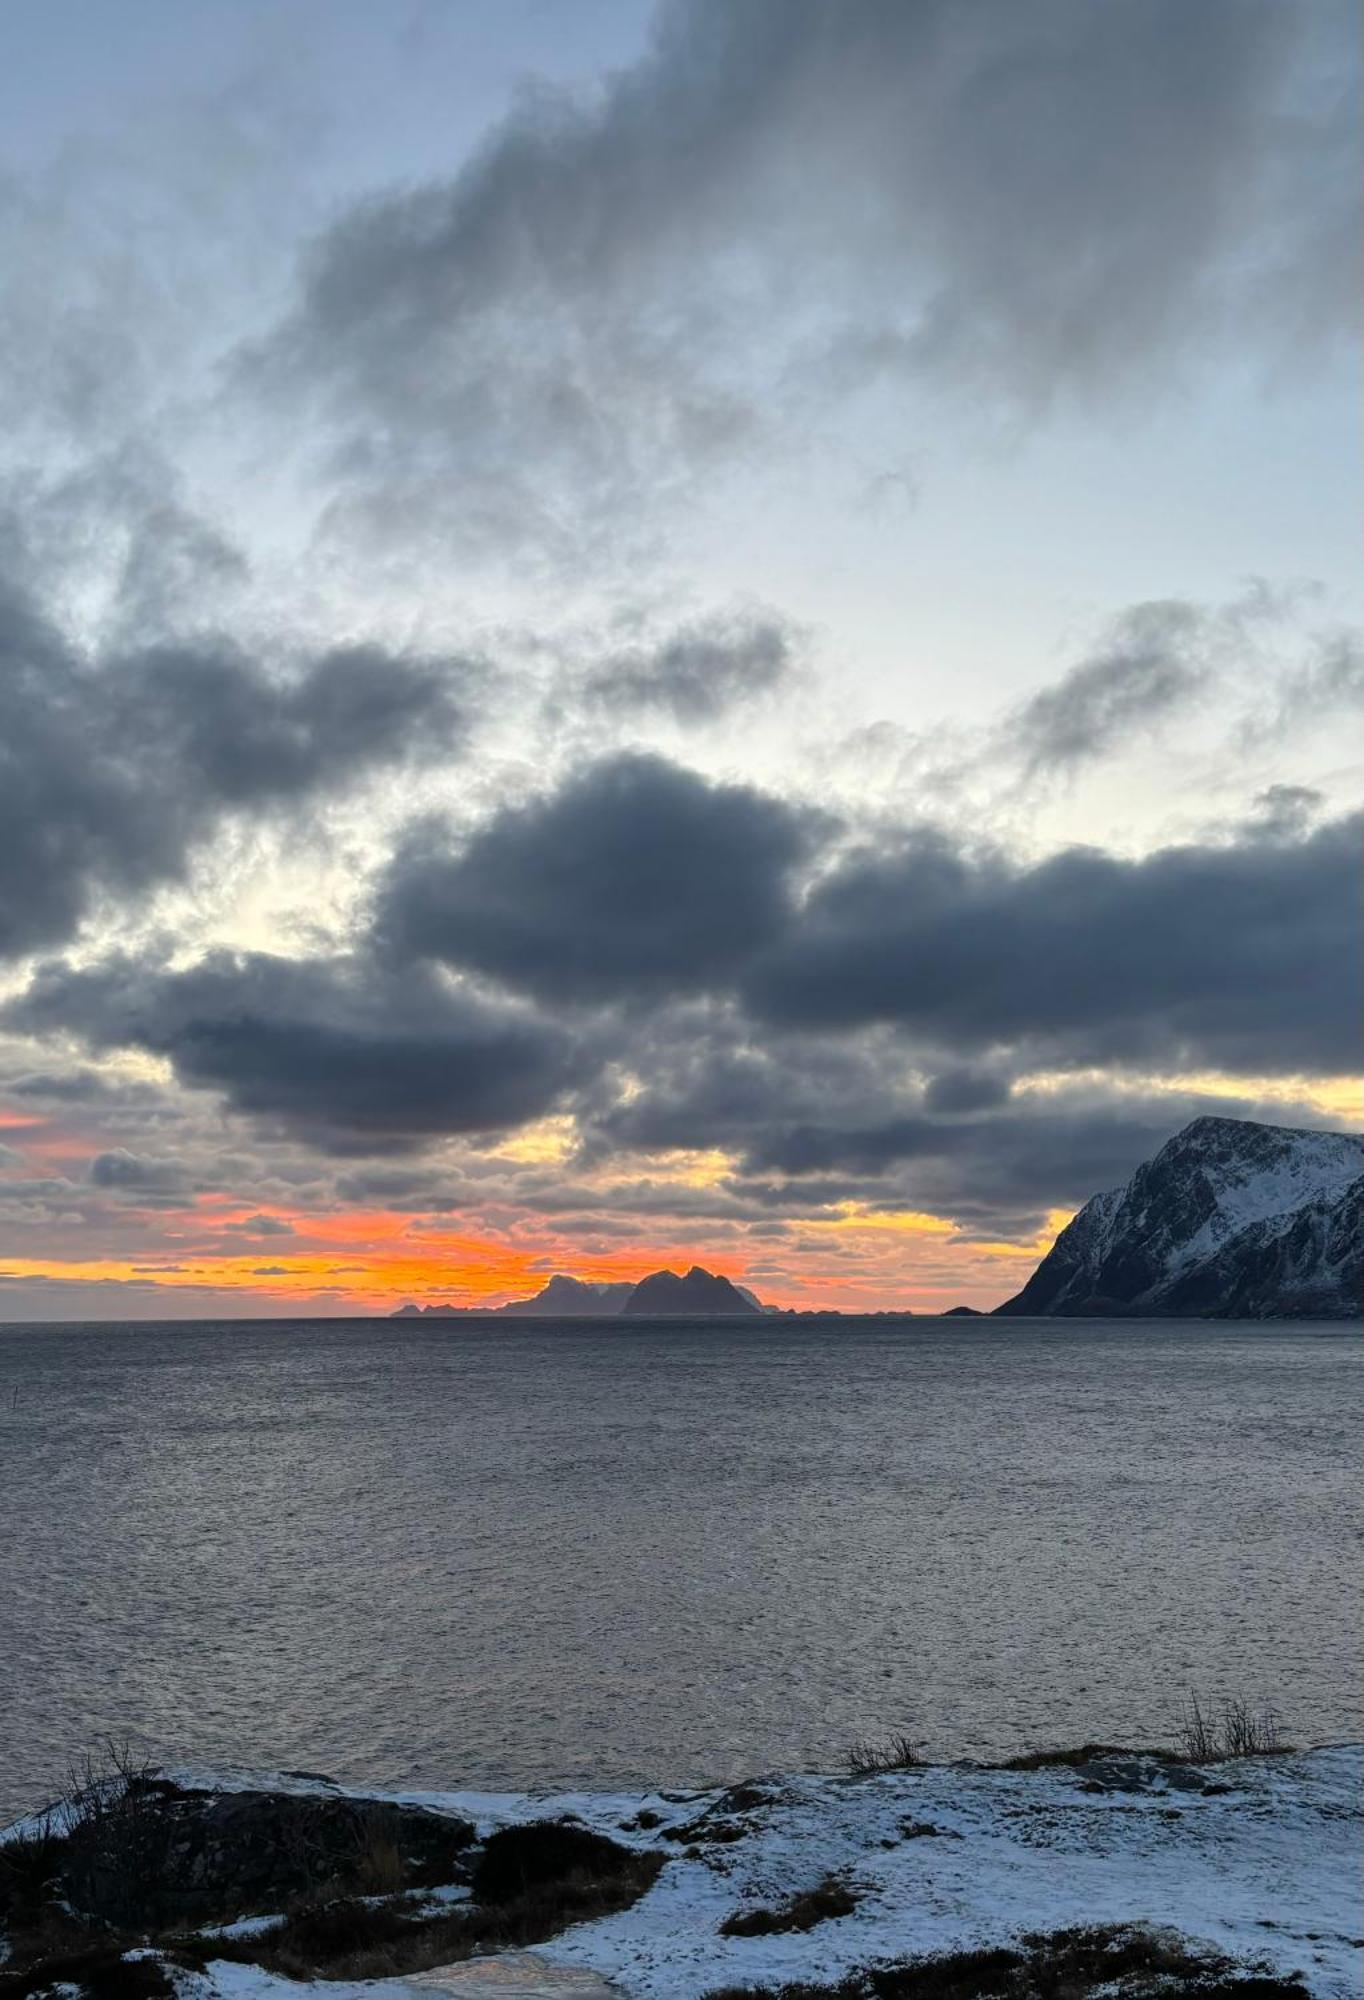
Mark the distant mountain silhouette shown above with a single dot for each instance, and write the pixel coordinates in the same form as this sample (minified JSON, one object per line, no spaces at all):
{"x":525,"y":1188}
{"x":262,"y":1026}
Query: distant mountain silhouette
{"x":567,"y":1298}
{"x":700,"y":1294}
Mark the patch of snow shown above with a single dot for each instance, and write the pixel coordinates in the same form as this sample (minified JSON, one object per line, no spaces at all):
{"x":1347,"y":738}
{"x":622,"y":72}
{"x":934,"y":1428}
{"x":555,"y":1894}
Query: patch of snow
{"x":222,"y":1979}
{"x":243,"y":1927}
{"x":1247,"y":1191}
{"x":1265,"y":1870}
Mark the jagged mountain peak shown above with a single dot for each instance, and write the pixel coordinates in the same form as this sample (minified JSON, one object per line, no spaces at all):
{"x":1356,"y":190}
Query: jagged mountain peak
{"x":1230,"y":1217}
{"x":698,"y":1292}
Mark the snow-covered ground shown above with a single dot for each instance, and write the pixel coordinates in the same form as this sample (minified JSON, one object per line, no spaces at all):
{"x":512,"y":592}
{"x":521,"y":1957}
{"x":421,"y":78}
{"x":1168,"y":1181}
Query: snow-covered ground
{"x":1269,"y":1868}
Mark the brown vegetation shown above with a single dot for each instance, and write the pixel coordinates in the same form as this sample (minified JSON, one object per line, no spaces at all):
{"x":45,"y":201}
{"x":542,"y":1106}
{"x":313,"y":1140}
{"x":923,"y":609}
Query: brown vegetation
{"x":895,"y":1753}
{"x":1235,"y":1729}
{"x":830,"y":1898}
{"x":355,"y":1940}
{"x":1060,"y":1965}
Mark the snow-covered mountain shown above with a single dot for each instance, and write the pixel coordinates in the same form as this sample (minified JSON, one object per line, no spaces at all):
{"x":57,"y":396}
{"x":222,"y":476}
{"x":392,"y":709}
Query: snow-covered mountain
{"x":1231,"y":1220}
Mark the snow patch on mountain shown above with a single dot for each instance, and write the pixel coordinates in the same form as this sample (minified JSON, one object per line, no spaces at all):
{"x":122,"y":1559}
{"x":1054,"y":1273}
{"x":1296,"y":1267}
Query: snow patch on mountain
{"x":1230,"y":1219}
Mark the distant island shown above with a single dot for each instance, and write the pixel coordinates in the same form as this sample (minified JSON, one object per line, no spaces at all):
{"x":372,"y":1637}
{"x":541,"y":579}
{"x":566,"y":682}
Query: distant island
{"x":696,"y":1294}
{"x":1230,"y":1220}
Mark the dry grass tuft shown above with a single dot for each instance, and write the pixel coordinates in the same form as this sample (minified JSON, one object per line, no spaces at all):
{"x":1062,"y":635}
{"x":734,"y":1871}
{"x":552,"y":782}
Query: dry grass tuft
{"x":348,"y":1939}
{"x":1235,"y":1729}
{"x":830,"y":1898}
{"x":895,"y":1753}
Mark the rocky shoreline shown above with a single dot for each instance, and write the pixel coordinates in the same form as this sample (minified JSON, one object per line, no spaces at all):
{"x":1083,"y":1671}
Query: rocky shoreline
{"x":1130,"y":1872}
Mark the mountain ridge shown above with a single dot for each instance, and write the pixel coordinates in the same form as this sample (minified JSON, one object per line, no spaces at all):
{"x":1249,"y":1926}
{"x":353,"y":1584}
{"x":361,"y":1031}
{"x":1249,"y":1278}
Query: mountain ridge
{"x":1230,"y":1219}
{"x":662,"y":1294}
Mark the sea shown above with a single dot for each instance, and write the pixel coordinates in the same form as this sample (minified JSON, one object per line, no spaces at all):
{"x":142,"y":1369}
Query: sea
{"x":503,"y":1554}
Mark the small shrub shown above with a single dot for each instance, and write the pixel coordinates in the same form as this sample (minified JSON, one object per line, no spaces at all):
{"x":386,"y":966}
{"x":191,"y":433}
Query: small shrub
{"x":29,"y":1866}
{"x":829,"y":1898}
{"x":379,"y":1868}
{"x":1211,"y":1736}
{"x":116,"y":1836}
{"x":517,"y":1859}
{"x":896,"y":1753}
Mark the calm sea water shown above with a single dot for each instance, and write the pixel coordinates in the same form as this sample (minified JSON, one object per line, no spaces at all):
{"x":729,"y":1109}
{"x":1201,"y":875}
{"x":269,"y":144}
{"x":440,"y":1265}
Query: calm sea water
{"x":503,"y":1554}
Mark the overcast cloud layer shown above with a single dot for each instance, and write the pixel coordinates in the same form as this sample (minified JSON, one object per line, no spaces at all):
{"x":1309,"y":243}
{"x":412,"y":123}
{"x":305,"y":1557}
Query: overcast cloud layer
{"x":625,"y":691}
{"x":784,"y":203}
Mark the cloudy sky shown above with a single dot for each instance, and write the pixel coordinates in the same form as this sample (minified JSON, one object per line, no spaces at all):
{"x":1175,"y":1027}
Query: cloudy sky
{"x":726,"y":630}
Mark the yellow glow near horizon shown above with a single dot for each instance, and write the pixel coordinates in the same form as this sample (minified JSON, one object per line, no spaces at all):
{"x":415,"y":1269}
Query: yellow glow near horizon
{"x":369,"y":1260}
{"x":546,"y":1143}
{"x":898,"y":1222}
{"x":1057,"y":1220}
{"x":1333,"y":1096}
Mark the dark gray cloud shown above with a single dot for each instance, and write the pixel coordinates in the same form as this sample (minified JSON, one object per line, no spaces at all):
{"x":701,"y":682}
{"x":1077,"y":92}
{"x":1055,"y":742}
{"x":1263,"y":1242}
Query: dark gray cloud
{"x":394,"y":1186}
{"x":1245,"y":955}
{"x":259,"y":1225}
{"x":869,"y":1032}
{"x":114,"y":768}
{"x":125,"y":1172}
{"x":335,"y":1052}
{"x":1150,"y":663}
{"x":695,"y":676}
{"x":963,"y":1089}
{"x":1049,"y":200}
{"x":814,"y":1123}
{"x":709,"y":1078}
{"x":1284,"y":812}
{"x":636,"y":877}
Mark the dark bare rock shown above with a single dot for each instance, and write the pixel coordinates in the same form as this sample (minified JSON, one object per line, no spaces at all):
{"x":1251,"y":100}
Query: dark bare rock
{"x":519,"y":1859}
{"x":173,"y":1856}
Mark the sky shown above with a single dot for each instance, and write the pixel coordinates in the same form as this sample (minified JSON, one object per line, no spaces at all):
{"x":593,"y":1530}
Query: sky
{"x":726,"y":631}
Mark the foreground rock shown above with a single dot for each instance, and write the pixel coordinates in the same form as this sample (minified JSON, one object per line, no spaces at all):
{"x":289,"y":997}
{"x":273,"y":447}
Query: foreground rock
{"x":1230,"y":1220}
{"x":166,"y":1855}
{"x":138,"y":1875}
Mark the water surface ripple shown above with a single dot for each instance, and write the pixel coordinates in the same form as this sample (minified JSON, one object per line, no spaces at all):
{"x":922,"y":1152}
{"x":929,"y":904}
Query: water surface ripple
{"x":509,"y":1554}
